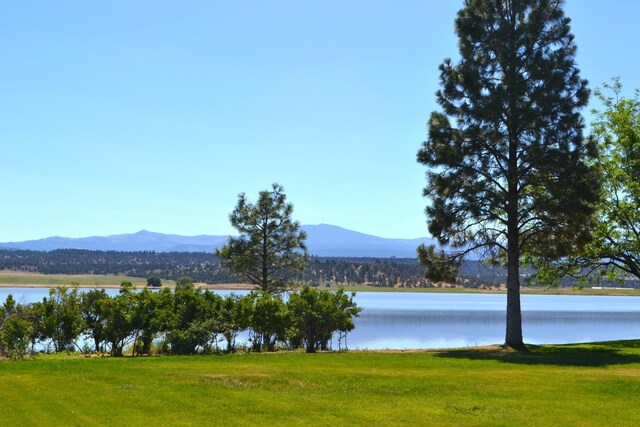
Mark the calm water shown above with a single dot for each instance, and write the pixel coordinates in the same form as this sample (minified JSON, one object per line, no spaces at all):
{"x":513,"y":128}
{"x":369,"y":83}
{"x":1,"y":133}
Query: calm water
{"x":424,"y":320}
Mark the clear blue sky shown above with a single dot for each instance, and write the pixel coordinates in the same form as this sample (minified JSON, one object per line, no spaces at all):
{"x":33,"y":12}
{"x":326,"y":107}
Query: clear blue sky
{"x":117,"y":116}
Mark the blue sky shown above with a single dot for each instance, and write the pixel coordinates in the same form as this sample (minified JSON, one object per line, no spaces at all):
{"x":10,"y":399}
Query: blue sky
{"x":119,"y":116}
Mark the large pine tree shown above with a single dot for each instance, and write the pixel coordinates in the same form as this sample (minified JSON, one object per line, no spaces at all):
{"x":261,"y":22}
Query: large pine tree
{"x":509,"y":178}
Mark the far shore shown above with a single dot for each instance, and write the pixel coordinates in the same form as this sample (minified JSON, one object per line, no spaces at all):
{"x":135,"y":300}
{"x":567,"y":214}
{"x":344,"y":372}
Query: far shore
{"x":222,"y":287}
{"x":245,"y":287}
{"x":21,"y":279}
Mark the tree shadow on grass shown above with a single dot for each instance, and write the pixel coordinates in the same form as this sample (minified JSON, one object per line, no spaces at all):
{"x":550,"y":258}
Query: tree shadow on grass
{"x":588,"y":355}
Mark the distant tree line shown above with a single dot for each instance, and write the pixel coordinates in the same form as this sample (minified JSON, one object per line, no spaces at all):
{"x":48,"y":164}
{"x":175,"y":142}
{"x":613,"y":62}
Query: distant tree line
{"x":185,"y":321}
{"x":202,"y":267}
{"x":206,"y":268}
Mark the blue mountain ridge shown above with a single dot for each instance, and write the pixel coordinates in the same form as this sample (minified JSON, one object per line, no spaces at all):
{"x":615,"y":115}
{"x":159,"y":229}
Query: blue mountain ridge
{"x":322,"y":240}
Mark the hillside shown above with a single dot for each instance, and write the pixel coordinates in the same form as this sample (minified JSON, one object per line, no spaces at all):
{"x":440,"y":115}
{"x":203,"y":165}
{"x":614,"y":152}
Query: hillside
{"x":205,"y":267}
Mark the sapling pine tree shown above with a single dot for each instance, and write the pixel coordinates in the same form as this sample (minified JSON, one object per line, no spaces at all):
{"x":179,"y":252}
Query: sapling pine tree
{"x":270,"y":246}
{"x":508,"y":171}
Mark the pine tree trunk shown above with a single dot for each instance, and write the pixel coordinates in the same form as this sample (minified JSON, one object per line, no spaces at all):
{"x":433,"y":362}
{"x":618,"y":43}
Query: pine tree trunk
{"x":513,"y":336}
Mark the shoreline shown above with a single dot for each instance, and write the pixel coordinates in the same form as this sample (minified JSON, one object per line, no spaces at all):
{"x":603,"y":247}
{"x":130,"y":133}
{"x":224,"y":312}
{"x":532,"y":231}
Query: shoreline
{"x":248,"y":287}
{"x":221,"y":287}
{"x":26,"y":280}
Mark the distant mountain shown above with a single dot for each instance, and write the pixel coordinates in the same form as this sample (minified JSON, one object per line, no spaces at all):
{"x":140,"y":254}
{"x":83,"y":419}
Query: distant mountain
{"x":140,"y":241}
{"x":330,"y":240}
{"x":323,"y":240}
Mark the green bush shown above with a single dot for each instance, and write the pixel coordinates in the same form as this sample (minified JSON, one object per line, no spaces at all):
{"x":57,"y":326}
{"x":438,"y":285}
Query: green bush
{"x":184,"y":321}
{"x":154,"y":282}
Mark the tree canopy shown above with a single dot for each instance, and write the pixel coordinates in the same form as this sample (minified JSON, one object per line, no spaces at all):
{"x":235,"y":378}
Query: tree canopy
{"x":511,"y":175}
{"x":154,"y":282}
{"x":614,"y":251}
{"x":270,"y":246}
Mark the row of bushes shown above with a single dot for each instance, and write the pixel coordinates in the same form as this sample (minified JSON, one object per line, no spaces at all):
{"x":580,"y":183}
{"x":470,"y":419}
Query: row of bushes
{"x":184,"y":321}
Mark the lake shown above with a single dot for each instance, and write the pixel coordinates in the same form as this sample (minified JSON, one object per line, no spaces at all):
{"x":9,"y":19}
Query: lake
{"x":412,"y":320}
{"x":429,"y":320}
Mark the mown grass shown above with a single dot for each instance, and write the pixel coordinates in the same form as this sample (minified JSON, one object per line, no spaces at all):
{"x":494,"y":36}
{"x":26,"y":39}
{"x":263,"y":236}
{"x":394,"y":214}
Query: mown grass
{"x":8,"y":278}
{"x":588,"y":384}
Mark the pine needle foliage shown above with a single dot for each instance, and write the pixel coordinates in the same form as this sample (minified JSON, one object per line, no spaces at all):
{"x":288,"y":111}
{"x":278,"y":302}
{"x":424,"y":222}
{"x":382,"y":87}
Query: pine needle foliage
{"x":508,"y":171}
{"x":270,"y":247}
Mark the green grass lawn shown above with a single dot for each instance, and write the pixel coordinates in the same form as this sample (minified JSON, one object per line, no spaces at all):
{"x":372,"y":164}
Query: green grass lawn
{"x":589,"y":384}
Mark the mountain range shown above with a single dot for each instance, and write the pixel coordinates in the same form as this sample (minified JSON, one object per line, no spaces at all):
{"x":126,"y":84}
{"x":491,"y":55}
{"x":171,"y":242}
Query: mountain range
{"x":322,"y":240}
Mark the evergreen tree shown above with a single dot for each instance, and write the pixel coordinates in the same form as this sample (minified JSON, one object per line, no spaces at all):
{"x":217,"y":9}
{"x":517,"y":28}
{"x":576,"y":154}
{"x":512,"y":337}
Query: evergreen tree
{"x":510,"y":177}
{"x":270,"y":246}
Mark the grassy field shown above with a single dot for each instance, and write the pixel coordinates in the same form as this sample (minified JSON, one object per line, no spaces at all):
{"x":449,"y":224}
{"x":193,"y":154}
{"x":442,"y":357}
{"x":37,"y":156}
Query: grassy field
{"x":588,"y":384}
{"x":12,"y":278}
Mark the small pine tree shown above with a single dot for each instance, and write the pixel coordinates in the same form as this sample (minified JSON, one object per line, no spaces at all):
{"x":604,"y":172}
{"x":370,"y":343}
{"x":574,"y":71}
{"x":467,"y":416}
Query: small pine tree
{"x":270,"y":246}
